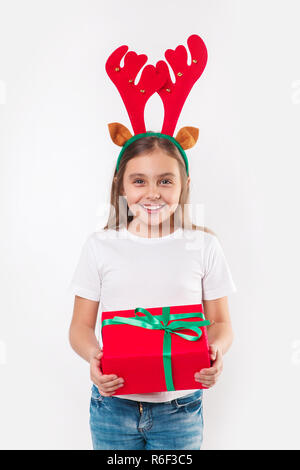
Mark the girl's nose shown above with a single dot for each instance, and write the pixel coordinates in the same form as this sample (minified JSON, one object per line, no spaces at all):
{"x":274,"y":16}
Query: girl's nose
{"x":153,"y":193}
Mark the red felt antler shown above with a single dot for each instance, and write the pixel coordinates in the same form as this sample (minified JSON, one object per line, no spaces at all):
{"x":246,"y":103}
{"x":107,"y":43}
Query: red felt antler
{"x":172,"y":94}
{"x":134,"y":96}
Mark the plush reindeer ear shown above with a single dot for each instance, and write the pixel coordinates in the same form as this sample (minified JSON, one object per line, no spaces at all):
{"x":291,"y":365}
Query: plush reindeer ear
{"x":119,"y":134}
{"x":187,"y":137}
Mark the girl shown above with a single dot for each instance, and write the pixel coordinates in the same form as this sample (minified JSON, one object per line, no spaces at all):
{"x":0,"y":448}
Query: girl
{"x":149,"y":254}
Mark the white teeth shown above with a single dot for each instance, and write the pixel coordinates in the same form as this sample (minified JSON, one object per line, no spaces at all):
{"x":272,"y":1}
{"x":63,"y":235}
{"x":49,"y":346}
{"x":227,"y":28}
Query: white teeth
{"x":152,"y":207}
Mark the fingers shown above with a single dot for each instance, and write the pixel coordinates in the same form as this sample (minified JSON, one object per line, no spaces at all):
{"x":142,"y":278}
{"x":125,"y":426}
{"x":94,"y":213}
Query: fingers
{"x":213,"y":352}
{"x":99,"y":357}
{"x":208,"y":377}
{"x":110,"y":381}
{"x":96,"y":374}
{"x":95,"y":364}
{"x":108,"y":384}
{"x":216,"y":367}
{"x":211,"y":371}
{"x":95,"y":369}
{"x":207,"y":381}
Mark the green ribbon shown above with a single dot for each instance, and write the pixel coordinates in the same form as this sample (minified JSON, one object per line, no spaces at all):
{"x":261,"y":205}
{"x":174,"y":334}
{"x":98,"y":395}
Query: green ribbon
{"x":152,"y":322}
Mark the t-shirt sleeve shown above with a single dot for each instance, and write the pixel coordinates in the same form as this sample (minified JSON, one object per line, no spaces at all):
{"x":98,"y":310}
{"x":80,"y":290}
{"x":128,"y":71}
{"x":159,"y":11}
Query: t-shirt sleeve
{"x":217,"y":280}
{"x":86,"y":281}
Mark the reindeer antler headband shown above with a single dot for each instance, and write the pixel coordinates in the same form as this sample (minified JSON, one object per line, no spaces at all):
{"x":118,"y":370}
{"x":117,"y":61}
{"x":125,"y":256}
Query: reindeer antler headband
{"x":156,"y":79}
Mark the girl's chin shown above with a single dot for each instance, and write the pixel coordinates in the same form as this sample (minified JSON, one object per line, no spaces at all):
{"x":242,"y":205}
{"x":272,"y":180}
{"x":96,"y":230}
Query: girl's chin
{"x":151,"y":221}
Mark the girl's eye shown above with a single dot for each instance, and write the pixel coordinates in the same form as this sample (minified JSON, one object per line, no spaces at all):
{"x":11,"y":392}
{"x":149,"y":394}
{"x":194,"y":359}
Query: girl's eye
{"x":136,"y":181}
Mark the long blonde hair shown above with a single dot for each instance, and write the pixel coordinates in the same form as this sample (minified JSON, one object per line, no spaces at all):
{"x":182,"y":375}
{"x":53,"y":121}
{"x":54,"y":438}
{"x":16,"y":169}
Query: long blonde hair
{"x":119,"y":215}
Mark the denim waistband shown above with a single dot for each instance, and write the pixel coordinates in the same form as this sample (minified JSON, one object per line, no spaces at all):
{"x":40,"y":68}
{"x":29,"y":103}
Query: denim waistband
{"x":196,"y":393}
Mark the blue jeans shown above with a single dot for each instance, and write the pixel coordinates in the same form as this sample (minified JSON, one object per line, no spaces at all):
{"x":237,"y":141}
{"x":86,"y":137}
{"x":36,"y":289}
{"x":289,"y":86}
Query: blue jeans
{"x":118,"y":423}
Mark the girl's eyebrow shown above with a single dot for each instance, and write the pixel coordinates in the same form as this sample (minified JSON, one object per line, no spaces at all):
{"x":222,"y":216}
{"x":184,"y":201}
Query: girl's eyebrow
{"x":133,"y":175}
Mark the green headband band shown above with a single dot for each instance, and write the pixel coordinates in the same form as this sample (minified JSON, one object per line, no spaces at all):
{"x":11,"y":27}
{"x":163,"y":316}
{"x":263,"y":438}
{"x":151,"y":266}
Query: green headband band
{"x":158,"y":134}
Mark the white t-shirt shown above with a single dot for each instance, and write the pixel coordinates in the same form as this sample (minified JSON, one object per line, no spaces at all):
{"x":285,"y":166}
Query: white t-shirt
{"x":122,"y":271}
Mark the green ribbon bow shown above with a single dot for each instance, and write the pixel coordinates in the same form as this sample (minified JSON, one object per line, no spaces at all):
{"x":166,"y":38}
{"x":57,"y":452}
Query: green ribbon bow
{"x":154,"y":323}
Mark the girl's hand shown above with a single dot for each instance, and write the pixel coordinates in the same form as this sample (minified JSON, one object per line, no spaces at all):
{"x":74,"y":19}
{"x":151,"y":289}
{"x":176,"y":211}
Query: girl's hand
{"x":208,"y":377}
{"x":107,"y":384}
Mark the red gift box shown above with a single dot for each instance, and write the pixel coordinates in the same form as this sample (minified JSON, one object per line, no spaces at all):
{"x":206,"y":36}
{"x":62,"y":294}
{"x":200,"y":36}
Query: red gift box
{"x":150,"y":353}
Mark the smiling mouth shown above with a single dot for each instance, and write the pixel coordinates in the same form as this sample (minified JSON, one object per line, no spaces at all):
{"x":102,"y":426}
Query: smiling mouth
{"x":151,"y":209}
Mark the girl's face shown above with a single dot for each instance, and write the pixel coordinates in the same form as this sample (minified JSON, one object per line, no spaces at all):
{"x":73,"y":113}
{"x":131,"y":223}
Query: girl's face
{"x":152,"y":187}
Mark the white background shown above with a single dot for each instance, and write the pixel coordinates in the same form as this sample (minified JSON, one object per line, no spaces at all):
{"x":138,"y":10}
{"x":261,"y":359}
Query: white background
{"x":57,"y":161}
